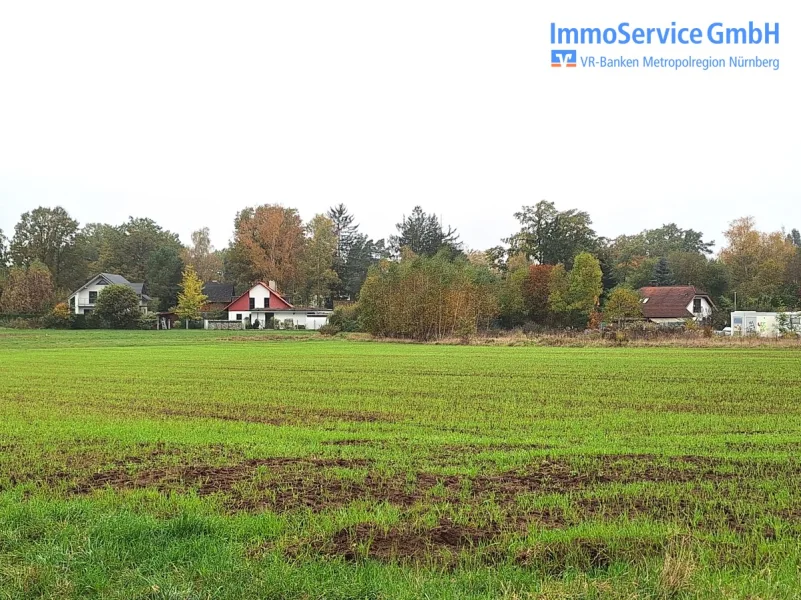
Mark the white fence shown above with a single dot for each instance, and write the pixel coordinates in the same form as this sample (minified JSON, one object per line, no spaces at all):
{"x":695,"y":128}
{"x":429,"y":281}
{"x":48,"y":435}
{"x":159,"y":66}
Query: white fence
{"x":215,"y":324}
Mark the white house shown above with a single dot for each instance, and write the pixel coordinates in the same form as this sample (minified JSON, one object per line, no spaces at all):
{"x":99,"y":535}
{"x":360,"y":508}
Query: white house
{"x":674,"y":304}
{"x":764,"y":324}
{"x":82,"y":301}
{"x":262,"y":304}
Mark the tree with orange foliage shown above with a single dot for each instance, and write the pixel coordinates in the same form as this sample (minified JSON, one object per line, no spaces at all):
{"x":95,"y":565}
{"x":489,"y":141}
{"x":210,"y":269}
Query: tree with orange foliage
{"x":270,"y":240}
{"x":758,"y":260}
{"x":535,"y":292}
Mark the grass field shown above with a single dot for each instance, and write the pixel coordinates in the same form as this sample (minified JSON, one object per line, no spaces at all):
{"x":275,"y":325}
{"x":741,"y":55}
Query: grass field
{"x":191,"y":464}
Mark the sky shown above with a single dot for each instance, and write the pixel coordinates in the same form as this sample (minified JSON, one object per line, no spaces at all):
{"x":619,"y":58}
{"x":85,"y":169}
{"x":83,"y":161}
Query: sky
{"x":186,"y":112}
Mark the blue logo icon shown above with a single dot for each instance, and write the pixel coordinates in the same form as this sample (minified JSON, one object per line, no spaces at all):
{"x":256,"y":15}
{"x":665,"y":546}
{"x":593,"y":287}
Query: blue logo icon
{"x":563,"y":58}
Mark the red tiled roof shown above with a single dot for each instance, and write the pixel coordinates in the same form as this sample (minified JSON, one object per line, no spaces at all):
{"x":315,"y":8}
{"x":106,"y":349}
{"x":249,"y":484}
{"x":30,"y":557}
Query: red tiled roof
{"x":276,"y":300}
{"x":669,"y":302}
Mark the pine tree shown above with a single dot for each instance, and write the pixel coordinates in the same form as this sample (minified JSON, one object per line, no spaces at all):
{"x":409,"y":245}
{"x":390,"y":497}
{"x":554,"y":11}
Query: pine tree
{"x":662,"y":275}
{"x":191,"y":299}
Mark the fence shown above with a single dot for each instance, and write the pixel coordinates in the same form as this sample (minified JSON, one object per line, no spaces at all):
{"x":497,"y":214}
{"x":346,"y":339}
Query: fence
{"x":219,"y":324}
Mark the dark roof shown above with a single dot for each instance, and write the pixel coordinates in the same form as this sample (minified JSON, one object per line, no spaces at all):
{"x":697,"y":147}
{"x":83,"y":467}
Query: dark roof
{"x":669,"y":302}
{"x":115,"y":279}
{"x":118,"y":280}
{"x":218,"y":292}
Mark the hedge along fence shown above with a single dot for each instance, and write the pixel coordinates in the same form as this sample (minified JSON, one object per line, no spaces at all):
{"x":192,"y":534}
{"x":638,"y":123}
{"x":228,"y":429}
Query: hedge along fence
{"x":21,"y":321}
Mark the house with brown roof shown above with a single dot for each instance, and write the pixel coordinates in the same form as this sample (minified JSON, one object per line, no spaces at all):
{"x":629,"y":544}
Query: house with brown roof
{"x":674,"y":304}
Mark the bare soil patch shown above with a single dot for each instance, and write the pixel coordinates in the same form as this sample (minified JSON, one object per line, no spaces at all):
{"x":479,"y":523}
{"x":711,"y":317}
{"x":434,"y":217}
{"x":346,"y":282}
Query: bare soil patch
{"x":309,"y":483}
{"x":442,"y":542}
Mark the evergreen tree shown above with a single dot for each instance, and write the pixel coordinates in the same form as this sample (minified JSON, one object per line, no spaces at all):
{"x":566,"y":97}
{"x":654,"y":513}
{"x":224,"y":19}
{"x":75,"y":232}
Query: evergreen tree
{"x":424,"y":235}
{"x":662,"y":275}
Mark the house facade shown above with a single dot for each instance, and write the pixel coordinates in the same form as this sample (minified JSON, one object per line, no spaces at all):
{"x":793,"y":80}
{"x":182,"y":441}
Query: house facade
{"x":83,"y":300}
{"x":673,"y":305}
{"x":262,"y":305}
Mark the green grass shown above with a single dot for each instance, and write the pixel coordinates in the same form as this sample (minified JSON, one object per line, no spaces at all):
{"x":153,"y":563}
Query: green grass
{"x":193,"y":464}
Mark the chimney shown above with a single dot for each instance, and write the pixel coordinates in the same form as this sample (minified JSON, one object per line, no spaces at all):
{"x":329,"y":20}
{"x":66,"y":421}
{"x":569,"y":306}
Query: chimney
{"x":272,"y":285}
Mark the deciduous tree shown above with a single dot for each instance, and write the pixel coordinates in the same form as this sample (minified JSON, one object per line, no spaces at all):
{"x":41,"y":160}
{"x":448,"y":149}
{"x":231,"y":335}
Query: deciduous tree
{"x":164,"y":272}
{"x":535,"y":292}
{"x":585,"y":283}
{"x":451,"y":297}
{"x":559,"y":290}
{"x":268,"y":245}
{"x":48,"y":235}
{"x":623,"y":304}
{"x":191,"y":298}
{"x":549,"y":236}
{"x":127,"y":248}
{"x":28,"y":290}
{"x":758,"y":261}
{"x":201,"y":255}
{"x":318,"y":260}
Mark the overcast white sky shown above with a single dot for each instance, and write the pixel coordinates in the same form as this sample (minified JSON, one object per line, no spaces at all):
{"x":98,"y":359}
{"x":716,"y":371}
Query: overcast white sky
{"x":186,"y":112}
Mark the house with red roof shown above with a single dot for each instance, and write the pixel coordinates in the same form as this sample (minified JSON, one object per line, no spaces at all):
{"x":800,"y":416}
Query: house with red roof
{"x":674,"y":304}
{"x":263,"y":306}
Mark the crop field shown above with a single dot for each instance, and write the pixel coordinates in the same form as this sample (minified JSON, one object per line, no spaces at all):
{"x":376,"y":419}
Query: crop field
{"x":192,"y":464}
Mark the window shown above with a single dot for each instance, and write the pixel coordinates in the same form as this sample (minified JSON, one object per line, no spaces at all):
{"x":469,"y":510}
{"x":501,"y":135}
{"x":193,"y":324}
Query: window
{"x":72,"y":302}
{"x":266,"y":302}
{"x":92,"y":297}
{"x":697,"y":305}
{"x":252,"y":303}
{"x":238,"y":316}
{"x":644,"y":300}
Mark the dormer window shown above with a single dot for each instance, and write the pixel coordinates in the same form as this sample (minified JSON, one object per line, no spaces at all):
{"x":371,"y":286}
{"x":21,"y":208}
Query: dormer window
{"x":696,"y":305}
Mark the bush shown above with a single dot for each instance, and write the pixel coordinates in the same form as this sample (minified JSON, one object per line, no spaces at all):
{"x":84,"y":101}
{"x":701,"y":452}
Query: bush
{"x":346,"y":318}
{"x":329,"y":329}
{"x":22,"y":323}
{"x":58,"y":318}
{"x":89,"y":321}
{"x":148,"y":321}
{"x":118,"y":307}
{"x":532,"y":328}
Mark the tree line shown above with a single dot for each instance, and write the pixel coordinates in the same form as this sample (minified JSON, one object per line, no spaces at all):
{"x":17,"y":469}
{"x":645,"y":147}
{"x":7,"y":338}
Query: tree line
{"x":555,"y":270}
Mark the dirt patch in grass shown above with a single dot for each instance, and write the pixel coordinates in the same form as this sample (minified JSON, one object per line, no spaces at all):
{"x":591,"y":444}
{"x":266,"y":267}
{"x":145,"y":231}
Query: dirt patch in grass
{"x":401,"y":543}
{"x":285,"y":484}
{"x":348,"y":443}
{"x":585,"y":553}
{"x":205,"y":479}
